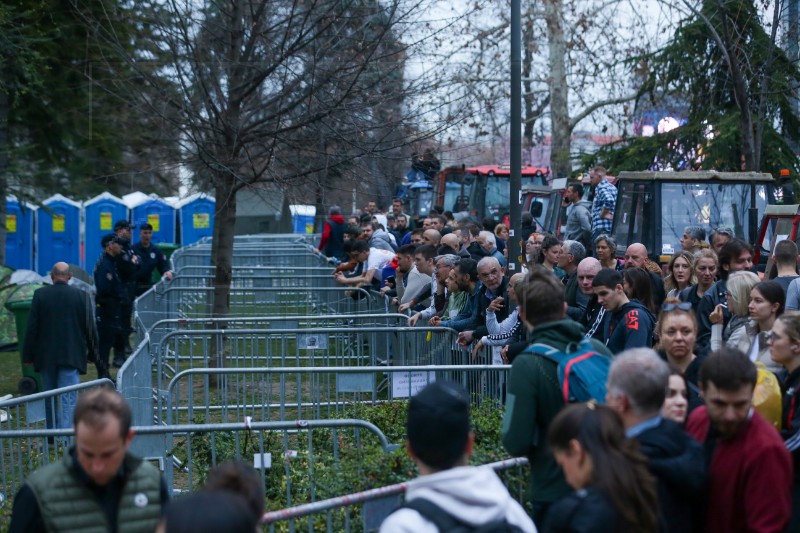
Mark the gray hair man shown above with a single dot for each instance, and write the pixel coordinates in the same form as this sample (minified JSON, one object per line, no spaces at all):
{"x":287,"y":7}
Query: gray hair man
{"x":637,"y":386}
{"x":572,"y":253}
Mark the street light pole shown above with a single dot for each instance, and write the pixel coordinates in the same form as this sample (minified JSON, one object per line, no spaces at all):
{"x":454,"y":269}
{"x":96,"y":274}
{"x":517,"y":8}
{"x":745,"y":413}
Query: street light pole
{"x":515,"y":180}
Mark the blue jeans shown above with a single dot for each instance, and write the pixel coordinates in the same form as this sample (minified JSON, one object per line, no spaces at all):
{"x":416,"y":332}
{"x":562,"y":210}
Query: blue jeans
{"x":55,"y":378}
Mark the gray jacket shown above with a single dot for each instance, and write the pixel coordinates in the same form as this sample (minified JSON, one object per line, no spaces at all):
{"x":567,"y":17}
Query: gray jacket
{"x":579,"y":222}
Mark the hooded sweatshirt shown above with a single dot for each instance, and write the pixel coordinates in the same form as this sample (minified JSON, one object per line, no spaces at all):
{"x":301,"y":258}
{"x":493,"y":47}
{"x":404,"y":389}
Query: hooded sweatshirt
{"x":473,"y":494}
{"x":630,"y":326}
{"x":534,"y":398}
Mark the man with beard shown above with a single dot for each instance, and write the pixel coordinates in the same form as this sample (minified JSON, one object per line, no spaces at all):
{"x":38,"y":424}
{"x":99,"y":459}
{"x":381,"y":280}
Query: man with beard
{"x":750,"y":470}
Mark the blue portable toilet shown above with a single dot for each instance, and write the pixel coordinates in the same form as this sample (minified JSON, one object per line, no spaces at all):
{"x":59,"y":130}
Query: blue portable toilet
{"x":58,"y":234}
{"x":99,"y":215}
{"x":19,"y":234}
{"x":158,"y":214}
{"x":196,"y":217}
{"x":303,"y":218}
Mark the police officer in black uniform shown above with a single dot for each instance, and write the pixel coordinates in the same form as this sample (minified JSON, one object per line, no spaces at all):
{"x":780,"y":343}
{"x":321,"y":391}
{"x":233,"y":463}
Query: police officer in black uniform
{"x":150,"y":258}
{"x":110,"y":295}
{"x":127,"y":266}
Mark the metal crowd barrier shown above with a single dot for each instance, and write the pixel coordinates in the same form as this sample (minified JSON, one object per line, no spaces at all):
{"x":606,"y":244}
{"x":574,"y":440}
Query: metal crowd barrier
{"x":287,"y":454}
{"x":215,"y":395}
{"x":27,"y":414}
{"x":366,"y":510}
{"x":322,"y":347}
{"x":163,"y":301}
{"x":158,"y":330}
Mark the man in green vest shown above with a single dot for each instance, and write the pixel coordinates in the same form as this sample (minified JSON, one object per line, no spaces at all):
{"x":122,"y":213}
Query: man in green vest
{"x":98,"y":487}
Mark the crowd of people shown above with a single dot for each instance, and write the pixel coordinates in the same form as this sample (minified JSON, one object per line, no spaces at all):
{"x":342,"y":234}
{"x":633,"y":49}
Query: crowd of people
{"x":689,"y":438}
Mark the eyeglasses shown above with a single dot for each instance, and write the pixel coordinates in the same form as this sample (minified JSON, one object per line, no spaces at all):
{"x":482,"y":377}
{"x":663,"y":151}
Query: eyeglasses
{"x":683,"y":306}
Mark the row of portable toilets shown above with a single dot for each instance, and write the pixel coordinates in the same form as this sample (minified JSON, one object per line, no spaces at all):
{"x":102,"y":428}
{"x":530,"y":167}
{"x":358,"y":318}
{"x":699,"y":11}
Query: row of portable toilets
{"x":62,"y":229}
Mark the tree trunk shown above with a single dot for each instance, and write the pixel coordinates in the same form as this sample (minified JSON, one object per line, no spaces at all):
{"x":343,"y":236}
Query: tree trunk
{"x":560,"y":163}
{"x":4,"y":148}
{"x":222,"y":257}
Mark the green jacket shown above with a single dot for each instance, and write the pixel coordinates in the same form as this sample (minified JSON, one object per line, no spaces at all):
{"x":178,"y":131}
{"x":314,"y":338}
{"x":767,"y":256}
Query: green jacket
{"x":68,"y":503}
{"x":533,"y":400}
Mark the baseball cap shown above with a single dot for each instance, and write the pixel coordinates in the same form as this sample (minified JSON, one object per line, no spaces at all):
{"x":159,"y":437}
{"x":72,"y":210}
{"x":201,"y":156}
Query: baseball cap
{"x":123,"y":224}
{"x":107,"y":239}
{"x":438,"y":424}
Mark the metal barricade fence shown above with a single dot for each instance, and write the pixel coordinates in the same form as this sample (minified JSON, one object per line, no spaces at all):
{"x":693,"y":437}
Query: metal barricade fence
{"x":325,"y":347}
{"x":161,"y":328}
{"x":30,"y":414}
{"x":220,"y":395}
{"x":163,"y":302}
{"x":299,"y":461}
{"x":341,"y":514}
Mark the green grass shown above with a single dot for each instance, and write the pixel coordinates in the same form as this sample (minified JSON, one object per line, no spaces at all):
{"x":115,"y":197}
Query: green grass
{"x":11,"y":373}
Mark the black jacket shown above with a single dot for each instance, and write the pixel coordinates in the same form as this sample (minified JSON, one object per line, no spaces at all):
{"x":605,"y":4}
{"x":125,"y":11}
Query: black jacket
{"x":484,"y":302}
{"x":584,"y":511}
{"x":61,"y":329}
{"x":678,"y":463}
{"x":717,"y":294}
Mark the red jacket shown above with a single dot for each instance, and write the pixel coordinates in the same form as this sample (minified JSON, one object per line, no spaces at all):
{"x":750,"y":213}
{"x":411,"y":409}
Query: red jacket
{"x":326,"y":230}
{"x":750,"y":478}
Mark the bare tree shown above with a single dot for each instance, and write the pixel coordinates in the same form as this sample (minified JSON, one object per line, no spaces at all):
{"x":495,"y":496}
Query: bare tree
{"x":577,"y":65}
{"x":282,"y":92}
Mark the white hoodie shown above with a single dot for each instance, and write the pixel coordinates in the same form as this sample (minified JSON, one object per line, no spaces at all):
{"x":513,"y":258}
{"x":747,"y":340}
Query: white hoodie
{"x":473,"y":494}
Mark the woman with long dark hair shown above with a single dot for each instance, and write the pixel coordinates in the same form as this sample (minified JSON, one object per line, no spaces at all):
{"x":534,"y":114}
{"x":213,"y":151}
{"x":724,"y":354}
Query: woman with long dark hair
{"x":638,"y":286}
{"x":614,"y":490}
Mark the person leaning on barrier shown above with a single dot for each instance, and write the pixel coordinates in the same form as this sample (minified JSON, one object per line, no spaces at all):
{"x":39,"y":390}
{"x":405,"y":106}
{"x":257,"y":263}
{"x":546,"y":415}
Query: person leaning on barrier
{"x":443,"y":265}
{"x":449,"y":494}
{"x":98,"y":485}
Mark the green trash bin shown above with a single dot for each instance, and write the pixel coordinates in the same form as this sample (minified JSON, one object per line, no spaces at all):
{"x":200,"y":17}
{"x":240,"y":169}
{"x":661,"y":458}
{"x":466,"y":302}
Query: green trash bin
{"x":31,"y":381}
{"x":168,"y":248}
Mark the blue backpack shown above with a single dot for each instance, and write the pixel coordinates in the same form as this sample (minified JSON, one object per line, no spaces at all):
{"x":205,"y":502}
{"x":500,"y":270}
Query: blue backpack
{"x":582,"y":373}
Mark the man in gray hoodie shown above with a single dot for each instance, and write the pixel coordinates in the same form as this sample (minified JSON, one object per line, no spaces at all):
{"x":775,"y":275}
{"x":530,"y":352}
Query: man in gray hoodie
{"x":579,"y":216}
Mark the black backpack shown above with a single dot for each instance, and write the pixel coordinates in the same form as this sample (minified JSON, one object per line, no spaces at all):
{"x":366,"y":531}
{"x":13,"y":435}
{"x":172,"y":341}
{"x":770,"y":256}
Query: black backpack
{"x":448,"y":523}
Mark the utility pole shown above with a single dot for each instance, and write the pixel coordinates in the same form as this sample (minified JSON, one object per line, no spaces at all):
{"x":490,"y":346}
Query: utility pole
{"x":515,"y":179}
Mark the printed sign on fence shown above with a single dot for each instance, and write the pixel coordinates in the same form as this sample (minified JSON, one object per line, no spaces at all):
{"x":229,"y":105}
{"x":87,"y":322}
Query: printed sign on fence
{"x":11,"y":223}
{"x":355,"y":382}
{"x":407,"y":384}
{"x":312,"y":341}
{"x":155,"y":221}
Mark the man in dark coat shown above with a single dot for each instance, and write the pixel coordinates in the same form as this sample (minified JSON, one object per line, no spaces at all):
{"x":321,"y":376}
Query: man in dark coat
{"x":59,"y":339}
{"x":637,"y":384}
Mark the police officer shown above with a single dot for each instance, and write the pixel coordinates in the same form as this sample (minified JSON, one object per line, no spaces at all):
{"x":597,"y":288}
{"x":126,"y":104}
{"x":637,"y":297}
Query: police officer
{"x":110,"y":295}
{"x":150,"y":258}
{"x":127,"y":265}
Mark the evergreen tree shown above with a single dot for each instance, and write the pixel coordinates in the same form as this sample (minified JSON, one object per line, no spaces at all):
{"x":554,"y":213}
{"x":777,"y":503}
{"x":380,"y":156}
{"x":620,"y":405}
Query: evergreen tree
{"x":736,"y":86}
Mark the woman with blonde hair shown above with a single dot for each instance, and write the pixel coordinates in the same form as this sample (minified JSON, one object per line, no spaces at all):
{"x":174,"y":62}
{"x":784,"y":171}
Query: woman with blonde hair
{"x":739,"y":284}
{"x":680,"y":274}
{"x":704,"y":267}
